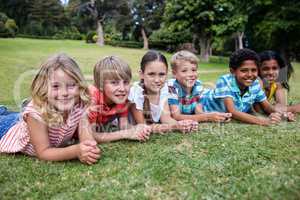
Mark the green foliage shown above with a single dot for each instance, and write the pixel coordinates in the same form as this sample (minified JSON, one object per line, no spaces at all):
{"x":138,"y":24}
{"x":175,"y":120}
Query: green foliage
{"x":167,"y":35}
{"x":275,"y":25}
{"x":147,"y":14}
{"x":68,"y":33}
{"x":8,"y":27}
{"x":90,"y":37}
{"x":128,"y":44}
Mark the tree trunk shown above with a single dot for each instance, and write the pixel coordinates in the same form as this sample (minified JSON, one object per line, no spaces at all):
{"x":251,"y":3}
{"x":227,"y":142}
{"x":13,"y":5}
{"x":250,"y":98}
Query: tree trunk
{"x":236,"y":45}
{"x":240,"y":36}
{"x":100,"y":33}
{"x":145,"y":39}
{"x":205,"y":47}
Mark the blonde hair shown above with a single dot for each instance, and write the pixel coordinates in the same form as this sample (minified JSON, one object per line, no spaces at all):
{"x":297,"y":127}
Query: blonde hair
{"x":183,"y":56}
{"x":111,"y":68}
{"x":39,"y":86}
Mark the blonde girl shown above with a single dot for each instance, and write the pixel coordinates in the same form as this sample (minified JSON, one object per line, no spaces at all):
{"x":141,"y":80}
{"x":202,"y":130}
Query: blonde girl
{"x":149,"y":97}
{"x":54,"y":116}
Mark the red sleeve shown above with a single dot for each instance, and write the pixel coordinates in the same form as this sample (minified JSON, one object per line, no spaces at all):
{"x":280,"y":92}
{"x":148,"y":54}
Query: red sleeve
{"x":93,"y":113}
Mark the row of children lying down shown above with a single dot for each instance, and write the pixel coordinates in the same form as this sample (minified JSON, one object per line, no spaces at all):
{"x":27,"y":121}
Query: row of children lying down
{"x":63,"y":107}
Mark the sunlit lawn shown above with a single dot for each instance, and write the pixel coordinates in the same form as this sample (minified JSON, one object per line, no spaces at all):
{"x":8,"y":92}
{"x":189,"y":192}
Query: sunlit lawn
{"x":231,"y":161}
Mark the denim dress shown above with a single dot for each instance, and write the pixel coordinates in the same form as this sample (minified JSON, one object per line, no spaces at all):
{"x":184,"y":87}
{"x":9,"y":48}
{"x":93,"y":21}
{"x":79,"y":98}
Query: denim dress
{"x":7,"y":120}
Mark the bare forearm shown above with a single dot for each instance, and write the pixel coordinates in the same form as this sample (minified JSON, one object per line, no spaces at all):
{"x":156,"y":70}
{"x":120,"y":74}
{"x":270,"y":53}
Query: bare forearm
{"x":248,"y":118}
{"x":59,"y":154}
{"x":196,"y":117}
{"x":103,"y":137}
{"x":163,"y":128}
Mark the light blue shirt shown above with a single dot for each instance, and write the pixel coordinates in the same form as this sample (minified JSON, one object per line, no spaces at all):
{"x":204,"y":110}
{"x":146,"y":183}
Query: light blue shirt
{"x":226,"y":86}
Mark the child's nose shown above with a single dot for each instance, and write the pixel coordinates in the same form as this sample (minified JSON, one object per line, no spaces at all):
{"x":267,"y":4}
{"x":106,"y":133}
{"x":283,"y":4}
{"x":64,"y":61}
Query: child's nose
{"x":121,"y":86}
{"x":64,"y":91}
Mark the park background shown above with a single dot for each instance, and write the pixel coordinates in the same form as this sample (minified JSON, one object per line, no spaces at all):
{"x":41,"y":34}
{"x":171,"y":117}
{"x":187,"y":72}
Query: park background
{"x":220,"y":161}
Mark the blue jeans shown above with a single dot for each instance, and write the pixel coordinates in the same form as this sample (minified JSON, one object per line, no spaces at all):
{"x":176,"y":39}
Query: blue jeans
{"x":7,"y":120}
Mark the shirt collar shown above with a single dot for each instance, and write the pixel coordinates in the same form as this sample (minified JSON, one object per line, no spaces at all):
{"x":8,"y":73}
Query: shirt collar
{"x":182,"y":92}
{"x":235,"y":87}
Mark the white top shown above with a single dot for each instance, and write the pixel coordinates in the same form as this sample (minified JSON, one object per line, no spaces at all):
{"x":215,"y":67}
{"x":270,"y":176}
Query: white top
{"x":136,"y":96}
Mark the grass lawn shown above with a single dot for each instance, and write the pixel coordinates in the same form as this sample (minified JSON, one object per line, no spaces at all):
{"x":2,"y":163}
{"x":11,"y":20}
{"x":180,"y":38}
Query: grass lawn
{"x":220,"y":161}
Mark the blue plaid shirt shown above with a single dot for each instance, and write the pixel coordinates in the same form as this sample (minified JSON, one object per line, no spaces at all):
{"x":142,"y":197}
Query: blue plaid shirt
{"x":226,"y":86}
{"x":178,"y":96}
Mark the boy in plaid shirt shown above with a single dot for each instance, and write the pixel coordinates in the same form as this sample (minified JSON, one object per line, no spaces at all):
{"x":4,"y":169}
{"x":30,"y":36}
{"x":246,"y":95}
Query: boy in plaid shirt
{"x":185,"y":91}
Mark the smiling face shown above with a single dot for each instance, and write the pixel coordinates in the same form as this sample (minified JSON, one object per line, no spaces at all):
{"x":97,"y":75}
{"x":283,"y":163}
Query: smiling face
{"x":154,"y":76}
{"x":246,"y":74}
{"x":63,"y":91}
{"x":269,"y":70}
{"x":186,"y":74}
{"x":116,"y":91}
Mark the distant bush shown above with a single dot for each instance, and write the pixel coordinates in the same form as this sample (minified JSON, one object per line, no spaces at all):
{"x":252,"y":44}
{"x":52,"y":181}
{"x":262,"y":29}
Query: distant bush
{"x":8,"y":27}
{"x":35,"y":36}
{"x":129,"y":44}
{"x":71,"y":33}
{"x":90,"y":37}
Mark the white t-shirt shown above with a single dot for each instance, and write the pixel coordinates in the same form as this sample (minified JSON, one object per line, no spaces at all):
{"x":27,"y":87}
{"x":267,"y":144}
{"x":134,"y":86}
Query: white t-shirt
{"x":136,"y":96}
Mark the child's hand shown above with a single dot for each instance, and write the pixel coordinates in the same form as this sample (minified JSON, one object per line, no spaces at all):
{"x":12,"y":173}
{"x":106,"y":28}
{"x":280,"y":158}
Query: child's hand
{"x":186,"y":126}
{"x":274,"y":118}
{"x":89,"y":152}
{"x":219,"y":117}
{"x":289,"y":116}
{"x":139,"y":132}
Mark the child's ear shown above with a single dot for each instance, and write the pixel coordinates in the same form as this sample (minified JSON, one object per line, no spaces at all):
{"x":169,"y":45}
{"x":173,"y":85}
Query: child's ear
{"x":141,"y":74}
{"x":232,"y":70}
{"x":173,"y":72}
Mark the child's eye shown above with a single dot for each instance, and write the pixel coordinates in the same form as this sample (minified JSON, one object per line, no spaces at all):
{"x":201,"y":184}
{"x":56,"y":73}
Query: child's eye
{"x":126,"y":82}
{"x":184,"y":70}
{"x":55,"y":86}
{"x":114,"y":82}
{"x":162,"y":74}
{"x":71,"y":85}
{"x":151,"y":74}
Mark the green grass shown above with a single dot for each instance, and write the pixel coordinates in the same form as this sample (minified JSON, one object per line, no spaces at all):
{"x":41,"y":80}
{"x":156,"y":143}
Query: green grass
{"x":231,"y":161}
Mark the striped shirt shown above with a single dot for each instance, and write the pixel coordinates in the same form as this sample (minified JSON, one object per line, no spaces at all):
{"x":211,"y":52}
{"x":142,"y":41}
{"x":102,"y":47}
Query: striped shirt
{"x":186,"y":102}
{"x":17,"y":139}
{"x":226,"y":86}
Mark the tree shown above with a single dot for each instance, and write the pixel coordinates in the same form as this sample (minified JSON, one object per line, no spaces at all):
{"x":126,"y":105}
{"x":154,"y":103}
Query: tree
{"x":101,"y":11}
{"x":17,"y":10}
{"x":275,"y":24}
{"x":49,"y":14}
{"x":199,"y":17}
{"x":147,"y":16}
{"x":235,"y":18}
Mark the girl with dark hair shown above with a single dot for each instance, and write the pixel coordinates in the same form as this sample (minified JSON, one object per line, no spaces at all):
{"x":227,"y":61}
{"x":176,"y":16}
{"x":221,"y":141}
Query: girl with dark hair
{"x":275,"y":73}
{"x":149,"y":97}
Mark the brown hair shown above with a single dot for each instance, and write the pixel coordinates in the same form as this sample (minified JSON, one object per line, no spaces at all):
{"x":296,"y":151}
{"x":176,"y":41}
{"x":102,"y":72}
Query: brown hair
{"x":150,"y":56}
{"x":111,"y":68}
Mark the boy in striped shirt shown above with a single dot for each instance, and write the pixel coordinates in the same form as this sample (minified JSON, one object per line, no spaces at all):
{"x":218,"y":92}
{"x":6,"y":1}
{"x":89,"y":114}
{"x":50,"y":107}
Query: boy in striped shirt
{"x":185,"y":91}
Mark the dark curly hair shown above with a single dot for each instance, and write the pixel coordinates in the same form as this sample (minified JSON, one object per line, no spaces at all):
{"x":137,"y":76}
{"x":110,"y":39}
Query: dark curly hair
{"x":238,"y":57}
{"x":286,"y":69}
